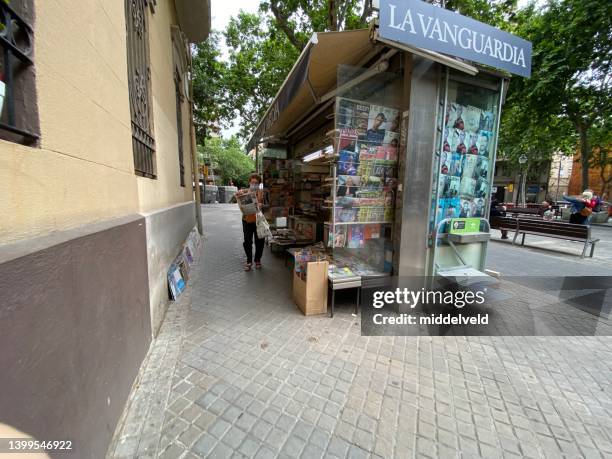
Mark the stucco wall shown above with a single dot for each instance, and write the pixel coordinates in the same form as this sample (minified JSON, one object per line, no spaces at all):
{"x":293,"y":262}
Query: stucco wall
{"x":165,"y":190}
{"x":167,"y":229}
{"x":84,"y":171}
{"x":74,"y":328}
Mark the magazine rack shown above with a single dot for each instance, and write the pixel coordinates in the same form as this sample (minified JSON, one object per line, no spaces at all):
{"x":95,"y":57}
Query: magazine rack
{"x":363,"y":177}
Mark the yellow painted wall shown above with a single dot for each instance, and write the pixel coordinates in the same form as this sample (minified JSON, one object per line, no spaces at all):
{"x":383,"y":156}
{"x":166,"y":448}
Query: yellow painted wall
{"x":165,"y":190}
{"x":84,"y":170}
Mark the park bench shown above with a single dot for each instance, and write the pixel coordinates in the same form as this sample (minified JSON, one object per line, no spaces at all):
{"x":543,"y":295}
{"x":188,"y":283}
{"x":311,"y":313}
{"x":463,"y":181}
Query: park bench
{"x":559,"y":230}
{"x":503,"y":223}
{"x":532,"y":211}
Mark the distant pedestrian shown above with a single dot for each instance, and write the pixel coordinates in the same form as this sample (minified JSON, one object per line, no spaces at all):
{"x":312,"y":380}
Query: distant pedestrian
{"x":498,"y":210}
{"x":582,"y":207}
{"x":547,"y":210}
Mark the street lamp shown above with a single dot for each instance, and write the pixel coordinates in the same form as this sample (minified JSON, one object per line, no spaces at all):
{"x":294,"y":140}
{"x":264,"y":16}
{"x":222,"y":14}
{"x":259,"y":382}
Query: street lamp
{"x":521,"y":194}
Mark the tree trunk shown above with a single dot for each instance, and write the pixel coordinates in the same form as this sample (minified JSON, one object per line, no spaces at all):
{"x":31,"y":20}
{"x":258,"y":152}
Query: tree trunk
{"x":332,"y":16}
{"x":585,"y":154}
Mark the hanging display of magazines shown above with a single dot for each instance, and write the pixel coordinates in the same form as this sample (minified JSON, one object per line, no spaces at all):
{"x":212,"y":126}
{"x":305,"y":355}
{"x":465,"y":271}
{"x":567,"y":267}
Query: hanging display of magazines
{"x":364,"y":178}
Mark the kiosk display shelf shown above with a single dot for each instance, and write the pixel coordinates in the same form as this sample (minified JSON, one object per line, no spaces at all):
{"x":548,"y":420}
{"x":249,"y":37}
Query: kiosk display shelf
{"x":363,"y":176}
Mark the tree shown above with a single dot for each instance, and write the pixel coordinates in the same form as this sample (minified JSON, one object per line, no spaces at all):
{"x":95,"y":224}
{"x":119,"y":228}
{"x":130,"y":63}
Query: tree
{"x":298,"y":19}
{"x":568,"y":95}
{"x":209,"y":75}
{"x":259,"y":60}
{"x":228,"y":160}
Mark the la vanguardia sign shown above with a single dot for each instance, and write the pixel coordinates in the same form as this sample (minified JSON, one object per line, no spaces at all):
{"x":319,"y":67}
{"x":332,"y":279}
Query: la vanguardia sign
{"x":420,"y":24}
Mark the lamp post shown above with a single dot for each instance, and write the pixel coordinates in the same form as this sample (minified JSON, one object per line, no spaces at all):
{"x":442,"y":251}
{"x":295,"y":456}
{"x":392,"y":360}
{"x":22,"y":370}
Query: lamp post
{"x":521,"y":191}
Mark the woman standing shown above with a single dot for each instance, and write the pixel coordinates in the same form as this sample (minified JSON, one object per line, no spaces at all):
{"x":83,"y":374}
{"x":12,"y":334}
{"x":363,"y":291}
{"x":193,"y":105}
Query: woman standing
{"x":249,"y":225}
{"x":582,"y":207}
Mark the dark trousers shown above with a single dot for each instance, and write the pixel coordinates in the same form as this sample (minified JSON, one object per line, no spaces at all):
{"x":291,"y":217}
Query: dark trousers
{"x":578,"y":219}
{"x":250,"y":232}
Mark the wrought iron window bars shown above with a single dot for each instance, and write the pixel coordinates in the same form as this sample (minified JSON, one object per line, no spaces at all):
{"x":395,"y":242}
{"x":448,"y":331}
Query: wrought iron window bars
{"x":16,"y":39}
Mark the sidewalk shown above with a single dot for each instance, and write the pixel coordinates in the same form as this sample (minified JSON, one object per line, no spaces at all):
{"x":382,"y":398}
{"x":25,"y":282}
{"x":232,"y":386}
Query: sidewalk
{"x":237,"y":371}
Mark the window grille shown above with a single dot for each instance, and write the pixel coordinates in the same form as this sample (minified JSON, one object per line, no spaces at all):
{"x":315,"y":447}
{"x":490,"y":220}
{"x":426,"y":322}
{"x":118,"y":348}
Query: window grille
{"x":139,"y":82}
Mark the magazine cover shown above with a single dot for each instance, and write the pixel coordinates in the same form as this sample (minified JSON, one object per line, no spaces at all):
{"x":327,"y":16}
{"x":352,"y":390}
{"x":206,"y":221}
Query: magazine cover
{"x":467,"y":187}
{"x":479,"y":207}
{"x":372,"y":231}
{"x":452,"y":208}
{"x":482,"y":168}
{"x":453,"y":117}
{"x":348,"y":162}
{"x":456,"y":165}
{"x":348,"y":185}
{"x":367,"y":152}
{"x":482,"y":188}
{"x":453,"y":188}
{"x":471,"y":118}
{"x":346,"y":215}
{"x":347,"y":140}
{"x":456,"y":139}
{"x":472,"y":142}
{"x":445,"y":160}
{"x":468,"y":166}
{"x":486,"y":121}
{"x":484,"y":142}
{"x":346,"y":109}
{"x":340,"y":236}
{"x":443,"y":186}
{"x":355,"y":239}
{"x":361,"y":114}
{"x":466,"y":208}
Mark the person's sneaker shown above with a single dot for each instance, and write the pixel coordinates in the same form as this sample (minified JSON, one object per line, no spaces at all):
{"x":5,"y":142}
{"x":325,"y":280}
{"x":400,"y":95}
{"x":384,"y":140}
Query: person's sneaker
{"x":247,"y":266}
{"x":257,"y":265}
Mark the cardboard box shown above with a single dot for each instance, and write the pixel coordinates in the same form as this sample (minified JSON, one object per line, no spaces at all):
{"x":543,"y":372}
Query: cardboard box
{"x":310,"y":295}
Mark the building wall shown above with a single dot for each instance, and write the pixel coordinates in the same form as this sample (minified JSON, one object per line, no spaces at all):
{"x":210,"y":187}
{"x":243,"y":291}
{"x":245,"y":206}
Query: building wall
{"x":84,"y":242}
{"x":559,"y":177}
{"x":74,"y":328}
{"x":595,"y":183}
{"x":83,"y":172}
{"x":165,"y":190}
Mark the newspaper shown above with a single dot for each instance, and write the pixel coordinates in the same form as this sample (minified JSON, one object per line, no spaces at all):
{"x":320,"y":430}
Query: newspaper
{"x":247,"y":202}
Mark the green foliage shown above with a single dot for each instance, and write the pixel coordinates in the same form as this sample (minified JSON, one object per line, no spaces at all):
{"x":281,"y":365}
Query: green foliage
{"x":209,"y":75}
{"x":228,"y":160}
{"x":567,"y":99}
{"x":259,"y":60}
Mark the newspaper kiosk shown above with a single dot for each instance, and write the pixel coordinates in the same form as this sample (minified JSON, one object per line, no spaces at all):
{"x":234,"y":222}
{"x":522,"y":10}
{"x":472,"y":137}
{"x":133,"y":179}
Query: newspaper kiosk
{"x":409,"y":136}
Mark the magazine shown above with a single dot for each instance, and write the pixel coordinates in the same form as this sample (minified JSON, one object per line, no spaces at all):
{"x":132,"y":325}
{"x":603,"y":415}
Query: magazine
{"x":484,"y":143}
{"x":467,"y":187}
{"x":348,"y":162}
{"x":347,"y":140}
{"x":466,"y":208}
{"x":456,"y":165}
{"x":361,"y":114}
{"x":372,"y":231}
{"x":468,"y":166}
{"x":345,"y":113}
{"x":471,"y":118}
{"x":355,"y":239}
{"x":486,"y":121}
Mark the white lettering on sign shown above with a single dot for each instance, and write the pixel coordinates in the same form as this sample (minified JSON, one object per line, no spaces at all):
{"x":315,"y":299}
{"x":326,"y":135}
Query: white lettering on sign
{"x":402,"y":19}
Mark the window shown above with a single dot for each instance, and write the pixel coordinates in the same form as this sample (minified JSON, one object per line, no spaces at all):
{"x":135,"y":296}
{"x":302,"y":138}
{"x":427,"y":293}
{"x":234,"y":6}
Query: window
{"x":19,"y":116}
{"x":139,"y":82}
{"x":179,"y":123}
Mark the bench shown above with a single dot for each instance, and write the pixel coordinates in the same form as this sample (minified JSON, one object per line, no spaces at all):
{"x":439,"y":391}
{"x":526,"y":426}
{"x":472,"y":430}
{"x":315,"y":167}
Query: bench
{"x":560,"y":230}
{"x":534,"y":211}
{"x":503,"y":223}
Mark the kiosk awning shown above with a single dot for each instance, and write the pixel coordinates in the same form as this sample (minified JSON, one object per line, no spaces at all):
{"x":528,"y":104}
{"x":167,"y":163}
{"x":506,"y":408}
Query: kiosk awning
{"x":315,"y":74}
{"x":315,"y":69}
